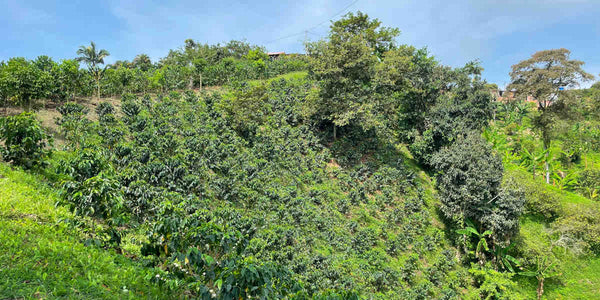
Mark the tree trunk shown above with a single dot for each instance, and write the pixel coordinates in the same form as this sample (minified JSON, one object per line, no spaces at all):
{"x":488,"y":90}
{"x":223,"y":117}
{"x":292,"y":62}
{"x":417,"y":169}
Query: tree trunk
{"x":547,"y":165}
{"x":547,"y":171}
{"x":540,"y":289}
{"x":334,"y":132}
{"x":98,"y":88}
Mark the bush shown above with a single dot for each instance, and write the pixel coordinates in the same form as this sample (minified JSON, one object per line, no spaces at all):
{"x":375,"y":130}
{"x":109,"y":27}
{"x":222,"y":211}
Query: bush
{"x":24,"y":141}
{"x":96,"y":196}
{"x":73,"y":122}
{"x":581,"y":227}
{"x":492,"y":284}
{"x":539,"y":201}
{"x":104,"y":109}
{"x":589,"y":183}
{"x":469,"y":181}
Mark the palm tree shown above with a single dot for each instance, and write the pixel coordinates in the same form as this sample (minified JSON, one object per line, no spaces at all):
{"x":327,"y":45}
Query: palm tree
{"x":93,"y":59}
{"x":143,"y":62}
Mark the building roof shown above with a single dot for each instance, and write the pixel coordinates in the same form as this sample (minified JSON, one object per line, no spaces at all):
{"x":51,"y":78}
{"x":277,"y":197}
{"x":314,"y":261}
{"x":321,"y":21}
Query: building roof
{"x":275,"y":53}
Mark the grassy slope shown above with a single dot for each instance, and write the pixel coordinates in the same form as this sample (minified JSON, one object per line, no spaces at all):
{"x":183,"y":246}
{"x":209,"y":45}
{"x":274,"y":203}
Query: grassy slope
{"x":40,"y":257}
{"x":288,"y":76}
{"x":580,"y":277}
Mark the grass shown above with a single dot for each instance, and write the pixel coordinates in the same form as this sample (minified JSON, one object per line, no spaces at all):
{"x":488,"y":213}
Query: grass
{"x":288,"y":76}
{"x":42,"y":257}
{"x":579,"y":274}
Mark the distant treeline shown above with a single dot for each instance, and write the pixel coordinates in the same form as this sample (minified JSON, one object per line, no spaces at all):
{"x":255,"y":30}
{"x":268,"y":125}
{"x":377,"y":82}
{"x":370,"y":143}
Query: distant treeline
{"x":192,"y":66}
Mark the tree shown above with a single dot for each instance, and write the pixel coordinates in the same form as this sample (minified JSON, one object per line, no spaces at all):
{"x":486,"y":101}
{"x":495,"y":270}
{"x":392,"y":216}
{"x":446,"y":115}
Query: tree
{"x":379,"y":39}
{"x":344,"y":66}
{"x":68,"y":78}
{"x":22,"y":82}
{"x":198,"y":67}
{"x":462,"y":104}
{"x":142,"y":62}
{"x":93,"y":58}
{"x":470,"y":184}
{"x":545,"y":76}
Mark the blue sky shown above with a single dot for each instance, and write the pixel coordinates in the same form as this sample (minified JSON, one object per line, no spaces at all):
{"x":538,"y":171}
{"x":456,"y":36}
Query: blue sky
{"x":497,"y":32}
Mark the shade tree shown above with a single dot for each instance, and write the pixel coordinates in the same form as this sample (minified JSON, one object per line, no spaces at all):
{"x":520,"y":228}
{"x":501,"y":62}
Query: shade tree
{"x":546,"y":77}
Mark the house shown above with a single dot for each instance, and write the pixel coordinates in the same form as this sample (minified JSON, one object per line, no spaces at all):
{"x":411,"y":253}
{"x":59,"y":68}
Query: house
{"x":275,"y":55}
{"x":504,"y":96}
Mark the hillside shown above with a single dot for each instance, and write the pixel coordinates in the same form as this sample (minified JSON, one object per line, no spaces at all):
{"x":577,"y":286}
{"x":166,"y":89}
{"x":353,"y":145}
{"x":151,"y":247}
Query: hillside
{"x":42,"y":256}
{"x":365,"y":169}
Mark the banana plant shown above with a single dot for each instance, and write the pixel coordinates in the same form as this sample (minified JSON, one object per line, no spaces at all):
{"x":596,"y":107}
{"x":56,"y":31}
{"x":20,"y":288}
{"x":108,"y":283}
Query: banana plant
{"x":505,"y":260}
{"x":469,"y":231}
{"x":532,"y":161}
{"x":543,"y":268}
{"x":521,"y":109}
{"x":567,"y":182}
{"x":497,"y":140}
{"x":509,"y":156}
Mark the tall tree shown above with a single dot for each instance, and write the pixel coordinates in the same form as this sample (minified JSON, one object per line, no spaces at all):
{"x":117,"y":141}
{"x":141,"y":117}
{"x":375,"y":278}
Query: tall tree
{"x":344,"y":65}
{"x":142,"y":62}
{"x":545,"y":76}
{"x":93,"y":59}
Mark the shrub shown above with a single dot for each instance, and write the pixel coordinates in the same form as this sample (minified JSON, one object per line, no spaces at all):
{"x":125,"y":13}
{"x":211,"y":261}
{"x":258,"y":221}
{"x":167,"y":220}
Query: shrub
{"x":96,"y":196}
{"x":103,"y":109}
{"x":580,"y":227}
{"x":84,"y":164}
{"x":589,"y":183}
{"x":73,"y":122}
{"x":539,"y":200}
{"x":492,"y":284}
{"x":72,"y":109}
{"x":469,"y":181}
{"x":24,"y":141}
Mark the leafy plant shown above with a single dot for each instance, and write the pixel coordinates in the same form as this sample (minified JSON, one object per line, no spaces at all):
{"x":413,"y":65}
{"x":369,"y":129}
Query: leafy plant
{"x":96,"y":196}
{"x":24,"y":142}
{"x":533,"y":161}
{"x":503,"y":259}
{"x":565,"y":182}
{"x":73,"y":122}
{"x":542,"y":268}
{"x":481,"y":246}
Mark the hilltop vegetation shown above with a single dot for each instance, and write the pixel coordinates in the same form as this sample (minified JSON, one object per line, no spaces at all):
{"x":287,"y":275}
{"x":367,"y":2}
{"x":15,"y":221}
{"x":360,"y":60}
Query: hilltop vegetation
{"x":365,"y":169}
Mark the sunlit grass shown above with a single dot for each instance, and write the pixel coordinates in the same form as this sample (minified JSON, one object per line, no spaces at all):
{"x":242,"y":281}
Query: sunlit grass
{"x":41,"y":257}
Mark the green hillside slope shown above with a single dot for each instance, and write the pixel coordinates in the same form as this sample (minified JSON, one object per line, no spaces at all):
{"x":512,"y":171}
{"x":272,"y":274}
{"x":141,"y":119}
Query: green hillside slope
{"x":42,"y":257}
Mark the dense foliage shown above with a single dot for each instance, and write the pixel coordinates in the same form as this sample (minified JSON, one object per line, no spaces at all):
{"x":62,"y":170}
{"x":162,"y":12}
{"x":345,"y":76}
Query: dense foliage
{"x":317,"y":184}
{"x":24,"y":142}
{"x":469,"y":181}
{"x":23,"y":81}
